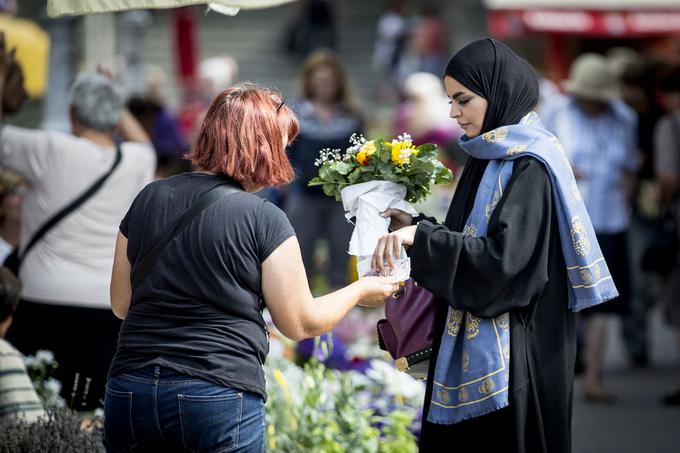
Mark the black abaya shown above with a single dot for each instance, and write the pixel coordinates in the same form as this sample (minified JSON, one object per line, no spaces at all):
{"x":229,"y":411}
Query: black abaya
{"x":517,"y":268}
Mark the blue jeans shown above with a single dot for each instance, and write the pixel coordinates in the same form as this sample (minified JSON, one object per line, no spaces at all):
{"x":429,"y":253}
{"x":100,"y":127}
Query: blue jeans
{"x":157,"y":409}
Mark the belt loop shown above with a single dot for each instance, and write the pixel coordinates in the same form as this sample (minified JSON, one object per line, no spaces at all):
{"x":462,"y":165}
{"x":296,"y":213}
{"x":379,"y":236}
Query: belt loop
{"x":157,"y":371}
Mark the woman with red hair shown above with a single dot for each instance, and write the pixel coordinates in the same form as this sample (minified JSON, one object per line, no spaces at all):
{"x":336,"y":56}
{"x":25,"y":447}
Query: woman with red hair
{"x":188,"y":371}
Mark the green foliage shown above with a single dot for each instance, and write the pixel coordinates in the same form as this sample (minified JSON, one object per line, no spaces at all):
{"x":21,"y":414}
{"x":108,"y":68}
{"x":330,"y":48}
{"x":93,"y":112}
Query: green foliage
{"x":61,"y":431}
{"x":398,"y":161}
{"x":327,"y":411}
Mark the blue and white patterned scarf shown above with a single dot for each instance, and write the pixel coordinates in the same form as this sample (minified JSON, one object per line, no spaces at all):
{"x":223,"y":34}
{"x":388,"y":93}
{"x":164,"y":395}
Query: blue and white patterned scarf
{"x":473,"y":365}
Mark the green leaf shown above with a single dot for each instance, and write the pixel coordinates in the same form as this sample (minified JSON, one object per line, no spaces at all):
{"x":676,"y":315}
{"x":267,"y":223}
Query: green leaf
{"x":354,"y":176}
{"x":427,"y":150}
{"x":329,"y":189}
{"x":343,"y":168}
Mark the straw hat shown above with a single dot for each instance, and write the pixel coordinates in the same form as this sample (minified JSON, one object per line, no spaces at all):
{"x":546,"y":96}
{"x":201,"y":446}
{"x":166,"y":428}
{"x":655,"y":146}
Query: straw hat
{"x":590,"y":77}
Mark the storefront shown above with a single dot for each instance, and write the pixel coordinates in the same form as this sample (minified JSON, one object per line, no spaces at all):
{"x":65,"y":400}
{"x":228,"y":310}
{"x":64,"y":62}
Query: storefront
{"x":566,"y":28}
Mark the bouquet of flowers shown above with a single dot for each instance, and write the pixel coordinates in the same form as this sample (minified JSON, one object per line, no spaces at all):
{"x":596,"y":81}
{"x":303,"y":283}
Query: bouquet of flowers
{"x":397,"y":161}
{"x":374,"y":175}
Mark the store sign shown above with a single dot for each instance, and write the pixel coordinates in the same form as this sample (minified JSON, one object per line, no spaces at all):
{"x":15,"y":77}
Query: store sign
{"x":509,"y":24}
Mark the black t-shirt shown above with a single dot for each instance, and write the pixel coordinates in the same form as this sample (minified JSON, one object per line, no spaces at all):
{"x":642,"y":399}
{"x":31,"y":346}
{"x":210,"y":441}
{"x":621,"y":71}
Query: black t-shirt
{"x":199,"y":310}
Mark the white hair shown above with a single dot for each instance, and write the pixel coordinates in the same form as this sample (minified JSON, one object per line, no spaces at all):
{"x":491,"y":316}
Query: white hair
{"x":97,"y":102}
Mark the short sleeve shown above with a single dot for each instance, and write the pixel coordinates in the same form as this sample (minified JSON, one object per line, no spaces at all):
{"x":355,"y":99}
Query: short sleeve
{"x":25,"y":151}
{"x":273,"y":228}
{"x":125,"y":223}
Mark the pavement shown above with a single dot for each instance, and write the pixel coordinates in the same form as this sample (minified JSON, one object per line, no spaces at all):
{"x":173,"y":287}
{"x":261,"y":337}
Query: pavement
{"x":637,"y":422}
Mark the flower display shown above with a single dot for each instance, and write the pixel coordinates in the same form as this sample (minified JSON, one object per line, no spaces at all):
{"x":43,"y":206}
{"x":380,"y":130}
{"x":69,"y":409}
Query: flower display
{"x":397,"y":160}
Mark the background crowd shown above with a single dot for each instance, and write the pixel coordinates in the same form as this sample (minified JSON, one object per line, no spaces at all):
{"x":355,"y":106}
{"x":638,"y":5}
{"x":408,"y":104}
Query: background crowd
{"x":616,"y":112}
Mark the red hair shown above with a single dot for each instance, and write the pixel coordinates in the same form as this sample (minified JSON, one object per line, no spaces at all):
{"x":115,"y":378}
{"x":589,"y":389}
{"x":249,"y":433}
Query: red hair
{"x":242,"y":136}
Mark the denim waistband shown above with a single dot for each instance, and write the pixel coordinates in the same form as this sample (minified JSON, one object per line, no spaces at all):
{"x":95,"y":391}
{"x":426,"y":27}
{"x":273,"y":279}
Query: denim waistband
{"x":154,"y":373}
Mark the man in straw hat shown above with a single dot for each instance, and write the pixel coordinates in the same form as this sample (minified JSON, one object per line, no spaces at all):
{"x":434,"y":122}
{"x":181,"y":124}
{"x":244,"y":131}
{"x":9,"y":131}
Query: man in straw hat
{"x":599,"y":134}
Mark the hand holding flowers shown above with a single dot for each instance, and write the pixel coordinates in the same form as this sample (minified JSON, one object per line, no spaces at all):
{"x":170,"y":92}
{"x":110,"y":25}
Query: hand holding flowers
{"x":374,"y":179}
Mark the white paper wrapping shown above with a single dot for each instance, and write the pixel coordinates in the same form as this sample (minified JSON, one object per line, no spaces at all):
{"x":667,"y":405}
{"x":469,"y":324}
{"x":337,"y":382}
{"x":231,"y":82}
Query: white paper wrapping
{"x":365,"y":202}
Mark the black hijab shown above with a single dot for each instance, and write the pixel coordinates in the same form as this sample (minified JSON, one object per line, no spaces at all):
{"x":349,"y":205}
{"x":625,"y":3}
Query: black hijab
{"x":493,"y":71}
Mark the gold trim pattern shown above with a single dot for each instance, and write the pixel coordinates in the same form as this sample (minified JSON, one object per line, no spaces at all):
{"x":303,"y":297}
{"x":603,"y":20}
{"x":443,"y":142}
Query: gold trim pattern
{"x":463,"y":395}
{"x":487,"y":386}
{"x":496,"y":135}
{"x":471,"y":402}
{"x":444,"y":396}
{"x":593,"y":285}
{"x":562,"y":151}
{"x":470,"y":230}
{"x":579,"y":237}
{"x":586,"y":277}
{"x":471,"y":325}
{"x":503,"y":321}
{"x":466,"y":361}
{"x":569,"y":268}
{"x":514,"y":150}
{"x":453,"y":321}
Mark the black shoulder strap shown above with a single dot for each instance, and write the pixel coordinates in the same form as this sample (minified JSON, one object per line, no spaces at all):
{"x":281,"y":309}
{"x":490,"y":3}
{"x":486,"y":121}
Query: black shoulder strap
{"x":146,"y":263}
{"x":55,"y":219}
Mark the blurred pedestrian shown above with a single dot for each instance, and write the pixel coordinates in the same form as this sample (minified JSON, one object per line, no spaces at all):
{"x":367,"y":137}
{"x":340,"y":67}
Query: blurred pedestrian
{"x":66,"y":274}
{"x":18,"y":399}
{"x":599,"y":133}
{"x":315,"y":27}
{"x":638,"y":89}
{"x":328,"y":117}
{"x":392,"y":33}
{"x":161,"y":125}
{"x":667,"y":166}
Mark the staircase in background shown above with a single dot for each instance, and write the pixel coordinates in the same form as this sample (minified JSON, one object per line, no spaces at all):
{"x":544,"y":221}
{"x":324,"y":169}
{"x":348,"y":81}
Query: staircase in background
{"x":256,"y":40}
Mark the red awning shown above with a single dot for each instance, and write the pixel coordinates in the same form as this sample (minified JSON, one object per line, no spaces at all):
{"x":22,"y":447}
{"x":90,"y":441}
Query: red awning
{"x":505,"y":24}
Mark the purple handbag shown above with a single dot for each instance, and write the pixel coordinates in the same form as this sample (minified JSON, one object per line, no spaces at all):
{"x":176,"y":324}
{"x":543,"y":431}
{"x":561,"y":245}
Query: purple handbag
{"x":406,"y":331}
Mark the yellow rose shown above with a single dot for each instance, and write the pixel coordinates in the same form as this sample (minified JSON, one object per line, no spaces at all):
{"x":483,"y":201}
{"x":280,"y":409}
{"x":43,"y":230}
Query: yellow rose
{"x":362,"y":158}
{"x":368,"y":148}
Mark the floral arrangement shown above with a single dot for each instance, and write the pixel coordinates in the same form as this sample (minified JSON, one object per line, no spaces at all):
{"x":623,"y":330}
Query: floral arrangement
{"x":314,"y":408}
{"x":41,"y":368}
{"x":415,"y":167}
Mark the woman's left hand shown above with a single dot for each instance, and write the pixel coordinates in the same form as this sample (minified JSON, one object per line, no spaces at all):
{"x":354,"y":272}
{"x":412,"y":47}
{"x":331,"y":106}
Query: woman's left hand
{"x":389,"y":247}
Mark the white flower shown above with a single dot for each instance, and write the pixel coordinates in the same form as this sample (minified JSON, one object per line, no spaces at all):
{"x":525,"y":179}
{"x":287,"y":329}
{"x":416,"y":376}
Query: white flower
{"x":44,"y":356}
{"x":395,"y":382}
{"x":53,"y":385}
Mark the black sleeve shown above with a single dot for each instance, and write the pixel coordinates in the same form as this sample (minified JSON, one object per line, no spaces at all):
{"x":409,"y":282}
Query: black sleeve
{"x":420,"y":217}
{"x":505,"y":270}
{"x":125,"y":223}
{"x":273,"y":228}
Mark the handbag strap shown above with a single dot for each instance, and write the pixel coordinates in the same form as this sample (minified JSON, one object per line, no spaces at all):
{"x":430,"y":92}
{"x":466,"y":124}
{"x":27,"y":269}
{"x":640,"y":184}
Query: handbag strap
{"x":142,"y":269}
{"x":75,"y":204}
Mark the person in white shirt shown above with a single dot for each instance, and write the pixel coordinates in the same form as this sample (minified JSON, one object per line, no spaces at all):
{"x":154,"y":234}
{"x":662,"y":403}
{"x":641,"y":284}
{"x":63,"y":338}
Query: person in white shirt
{"x":65,"y":296}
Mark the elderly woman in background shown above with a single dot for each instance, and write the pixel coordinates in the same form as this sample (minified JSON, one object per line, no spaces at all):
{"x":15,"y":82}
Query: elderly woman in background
{"x":66,"y":275}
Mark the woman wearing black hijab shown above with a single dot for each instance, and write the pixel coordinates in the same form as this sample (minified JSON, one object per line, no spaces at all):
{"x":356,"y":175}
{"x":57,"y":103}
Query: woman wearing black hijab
{"x":513,"y":260}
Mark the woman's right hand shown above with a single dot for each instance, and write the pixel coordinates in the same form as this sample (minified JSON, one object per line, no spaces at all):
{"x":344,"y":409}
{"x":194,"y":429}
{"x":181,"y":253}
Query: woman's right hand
{"x":375,"y":290}
{"x":399,"y":219}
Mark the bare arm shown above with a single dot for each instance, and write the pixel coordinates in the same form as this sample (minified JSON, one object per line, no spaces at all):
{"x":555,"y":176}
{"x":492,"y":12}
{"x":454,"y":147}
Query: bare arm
{"x":121,"y":290}
{"x":130,"y":129}
{"x":295,"y":312}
